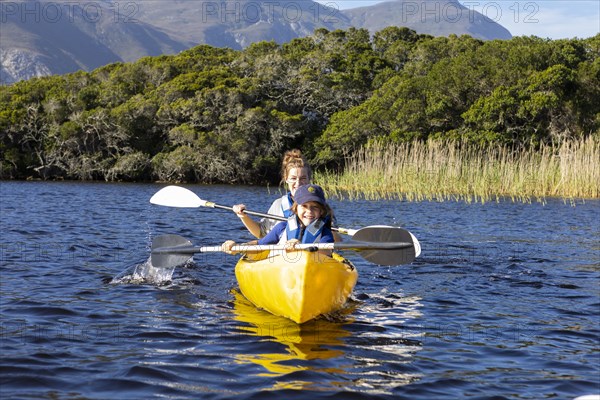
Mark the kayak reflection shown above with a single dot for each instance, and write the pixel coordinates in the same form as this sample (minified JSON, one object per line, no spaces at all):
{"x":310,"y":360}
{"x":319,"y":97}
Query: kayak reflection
{"x":314,"y":340}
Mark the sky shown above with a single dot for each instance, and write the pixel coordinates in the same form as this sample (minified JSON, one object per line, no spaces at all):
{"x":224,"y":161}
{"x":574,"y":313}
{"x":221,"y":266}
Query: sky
{"x":554,"y":19}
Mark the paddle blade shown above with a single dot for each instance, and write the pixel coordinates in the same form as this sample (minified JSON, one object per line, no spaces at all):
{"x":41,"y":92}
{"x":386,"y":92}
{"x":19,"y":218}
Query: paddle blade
{"x":169,"y":259}
{"x":417,"y":245}
{"x":176,"y":196}
{"x":386,"y":234}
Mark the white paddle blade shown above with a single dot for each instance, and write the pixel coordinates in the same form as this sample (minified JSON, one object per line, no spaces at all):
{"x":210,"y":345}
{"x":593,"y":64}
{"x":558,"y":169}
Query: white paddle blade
{"x":176,"y":196}
{"x":417,"y":245}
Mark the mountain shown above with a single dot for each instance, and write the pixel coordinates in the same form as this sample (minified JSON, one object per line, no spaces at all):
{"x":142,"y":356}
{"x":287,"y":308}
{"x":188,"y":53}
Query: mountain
{"x":43,"y":37}
{"x":433,"y":17}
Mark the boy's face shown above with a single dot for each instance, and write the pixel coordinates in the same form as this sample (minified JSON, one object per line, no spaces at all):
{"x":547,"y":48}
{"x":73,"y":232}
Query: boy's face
{"x":308,"y":212}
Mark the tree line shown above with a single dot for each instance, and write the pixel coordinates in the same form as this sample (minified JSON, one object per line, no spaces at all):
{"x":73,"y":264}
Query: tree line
{"x":218,"y":115}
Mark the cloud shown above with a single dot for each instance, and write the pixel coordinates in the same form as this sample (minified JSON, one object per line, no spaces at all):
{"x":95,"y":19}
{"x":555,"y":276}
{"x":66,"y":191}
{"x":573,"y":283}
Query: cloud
{"x":553,"y":19}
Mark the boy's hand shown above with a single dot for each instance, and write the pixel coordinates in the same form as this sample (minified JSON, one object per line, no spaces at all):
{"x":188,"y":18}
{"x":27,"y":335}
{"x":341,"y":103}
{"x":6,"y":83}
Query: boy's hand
{"x":226,"y":247}
{"x":290,"y":245}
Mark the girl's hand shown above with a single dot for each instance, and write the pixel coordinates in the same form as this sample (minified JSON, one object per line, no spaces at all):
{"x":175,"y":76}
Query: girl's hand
{"x":226,"y":247}
{"x":290,"y":245}
{"x":238,"y":209}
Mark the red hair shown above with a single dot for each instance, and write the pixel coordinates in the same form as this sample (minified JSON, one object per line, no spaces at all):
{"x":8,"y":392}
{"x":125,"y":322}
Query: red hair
{"x":293,"y":159}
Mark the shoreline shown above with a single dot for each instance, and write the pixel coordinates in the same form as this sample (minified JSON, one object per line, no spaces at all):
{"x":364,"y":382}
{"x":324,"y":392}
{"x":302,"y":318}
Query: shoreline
{"x":453,"y":171}
{"x":443,"y":171}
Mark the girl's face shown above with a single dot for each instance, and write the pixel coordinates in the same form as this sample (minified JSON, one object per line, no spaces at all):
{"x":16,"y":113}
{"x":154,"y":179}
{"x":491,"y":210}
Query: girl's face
{"x":308,"y":212}
{"x":296,"y":178}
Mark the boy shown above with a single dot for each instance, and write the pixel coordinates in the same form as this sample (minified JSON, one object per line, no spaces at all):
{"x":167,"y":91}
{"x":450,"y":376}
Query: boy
{"x":309,"y":223}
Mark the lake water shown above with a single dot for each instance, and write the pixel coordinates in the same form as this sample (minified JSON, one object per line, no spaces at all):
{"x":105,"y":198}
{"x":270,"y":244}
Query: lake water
{"x":504,"y":302}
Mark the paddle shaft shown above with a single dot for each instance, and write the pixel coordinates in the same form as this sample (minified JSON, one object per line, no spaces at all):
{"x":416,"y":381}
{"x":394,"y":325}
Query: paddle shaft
{"x":272,"y":216}
{"x":300,"y":246}
{"x":383,"y":246}
{"x":257,"y":214}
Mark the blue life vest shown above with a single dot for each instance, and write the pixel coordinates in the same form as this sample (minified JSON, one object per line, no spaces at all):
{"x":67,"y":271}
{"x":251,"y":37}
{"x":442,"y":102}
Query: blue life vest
{"x":286,"y":205}
{"x":312,"y":233}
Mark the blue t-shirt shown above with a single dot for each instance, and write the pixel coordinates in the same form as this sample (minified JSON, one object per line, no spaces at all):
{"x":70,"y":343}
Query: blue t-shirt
{"x":275,"y":234}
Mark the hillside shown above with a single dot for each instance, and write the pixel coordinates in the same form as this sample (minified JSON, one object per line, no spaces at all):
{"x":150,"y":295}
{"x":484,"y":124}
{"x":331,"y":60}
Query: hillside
{"x":217,"y":115}
{"x":436,"y":18}
{"x":44,"y":37}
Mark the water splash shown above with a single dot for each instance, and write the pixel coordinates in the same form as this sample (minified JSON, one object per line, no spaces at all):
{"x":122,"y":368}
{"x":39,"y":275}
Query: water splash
{"x":144,"y":273}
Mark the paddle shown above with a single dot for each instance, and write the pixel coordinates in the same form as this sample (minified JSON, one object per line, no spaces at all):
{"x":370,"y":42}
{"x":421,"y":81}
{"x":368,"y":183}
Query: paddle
{"x":176,"y":196}
{"x":171,"y":250}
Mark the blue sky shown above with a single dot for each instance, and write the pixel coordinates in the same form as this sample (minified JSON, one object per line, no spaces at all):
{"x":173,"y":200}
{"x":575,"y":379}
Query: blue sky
{"x":555,"y":19}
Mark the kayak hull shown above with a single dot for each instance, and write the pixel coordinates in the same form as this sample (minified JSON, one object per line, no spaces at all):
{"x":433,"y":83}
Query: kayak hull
{"x":298,"y":285}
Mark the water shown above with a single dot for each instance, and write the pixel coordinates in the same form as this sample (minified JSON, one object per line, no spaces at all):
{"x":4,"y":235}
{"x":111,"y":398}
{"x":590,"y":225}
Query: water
{"x":503,"y":303}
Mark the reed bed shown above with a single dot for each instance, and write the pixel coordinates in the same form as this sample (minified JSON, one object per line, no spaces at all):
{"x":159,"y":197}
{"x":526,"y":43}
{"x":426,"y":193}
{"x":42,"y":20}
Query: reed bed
{"x":450,"y":170}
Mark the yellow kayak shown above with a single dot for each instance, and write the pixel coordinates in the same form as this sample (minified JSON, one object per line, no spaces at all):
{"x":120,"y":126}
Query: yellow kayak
{"x":299,"y":285}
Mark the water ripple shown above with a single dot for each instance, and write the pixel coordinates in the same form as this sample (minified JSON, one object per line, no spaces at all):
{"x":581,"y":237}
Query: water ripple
{"x":503,"y":303}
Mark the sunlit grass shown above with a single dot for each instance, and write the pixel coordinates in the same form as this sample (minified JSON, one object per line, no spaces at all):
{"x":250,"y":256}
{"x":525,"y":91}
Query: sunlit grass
{"x":440,"y":171}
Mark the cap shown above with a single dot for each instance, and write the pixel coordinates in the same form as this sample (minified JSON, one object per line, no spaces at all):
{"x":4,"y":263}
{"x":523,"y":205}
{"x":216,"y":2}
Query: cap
{"x":307,"y":193}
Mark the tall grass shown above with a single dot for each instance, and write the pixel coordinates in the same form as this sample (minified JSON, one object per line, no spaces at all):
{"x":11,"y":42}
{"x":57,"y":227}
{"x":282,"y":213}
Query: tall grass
{"x":436,"y":170}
